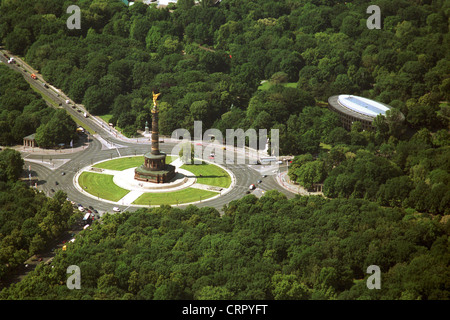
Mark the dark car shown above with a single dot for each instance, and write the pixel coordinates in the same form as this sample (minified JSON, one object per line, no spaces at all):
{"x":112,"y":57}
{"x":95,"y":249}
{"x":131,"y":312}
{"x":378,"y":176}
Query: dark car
{"x":56,"y":183}
{"x":52,"y":190}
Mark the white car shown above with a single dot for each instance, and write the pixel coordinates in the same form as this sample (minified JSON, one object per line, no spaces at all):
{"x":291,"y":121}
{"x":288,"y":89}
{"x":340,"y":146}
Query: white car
{"x":252,"y":187}
{"x":81,"y":208}
{"x":116,"y":209}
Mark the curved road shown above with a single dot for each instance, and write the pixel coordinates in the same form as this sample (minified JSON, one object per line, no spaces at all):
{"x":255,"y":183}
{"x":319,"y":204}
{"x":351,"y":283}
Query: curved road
{"x":56,"y":169}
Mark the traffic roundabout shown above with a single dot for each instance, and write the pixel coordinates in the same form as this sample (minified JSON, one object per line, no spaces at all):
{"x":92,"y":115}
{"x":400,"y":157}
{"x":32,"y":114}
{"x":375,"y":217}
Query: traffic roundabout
{"x":112,"y":181}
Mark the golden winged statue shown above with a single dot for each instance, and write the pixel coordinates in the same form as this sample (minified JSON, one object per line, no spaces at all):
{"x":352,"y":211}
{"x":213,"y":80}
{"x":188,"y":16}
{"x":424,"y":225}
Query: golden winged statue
{"x":155,"y":96}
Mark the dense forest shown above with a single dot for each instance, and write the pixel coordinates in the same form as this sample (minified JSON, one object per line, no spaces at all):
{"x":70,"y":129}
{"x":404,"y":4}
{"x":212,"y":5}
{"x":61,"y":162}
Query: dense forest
{"x":410,"y":174}
{"x":208,"y":61}
{"x":24,"y":112}
{"x":29,"y":220}
{"x":267,"y":248}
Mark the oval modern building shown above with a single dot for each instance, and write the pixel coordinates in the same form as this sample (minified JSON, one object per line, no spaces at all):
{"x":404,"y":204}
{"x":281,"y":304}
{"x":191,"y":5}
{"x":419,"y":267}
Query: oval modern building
{"x":353,"y":108}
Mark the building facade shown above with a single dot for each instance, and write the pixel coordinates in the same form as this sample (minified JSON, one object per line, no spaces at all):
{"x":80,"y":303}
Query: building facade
{"x":30,"y":141}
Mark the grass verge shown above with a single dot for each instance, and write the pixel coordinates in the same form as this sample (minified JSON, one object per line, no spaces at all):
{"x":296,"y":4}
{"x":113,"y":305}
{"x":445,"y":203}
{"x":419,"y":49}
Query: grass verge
{"x":124,"y":163}
{"x":48,"y":100}
{"x":82,"y":124}
{"x":56,"y":106}
{"x":106,"y":118}
{"x":175,"y":197}
{"x":209,"y":174}
{"x":101,"y":185}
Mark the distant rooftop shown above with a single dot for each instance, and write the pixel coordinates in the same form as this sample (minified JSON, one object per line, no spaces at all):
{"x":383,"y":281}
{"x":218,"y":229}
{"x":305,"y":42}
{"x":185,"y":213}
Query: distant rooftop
{"x":362,"y":105}
{"x":30,"y":137}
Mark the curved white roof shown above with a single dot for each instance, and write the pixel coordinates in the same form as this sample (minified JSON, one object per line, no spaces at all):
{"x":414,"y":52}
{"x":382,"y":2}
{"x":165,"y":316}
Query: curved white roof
{"x":362,"y":105}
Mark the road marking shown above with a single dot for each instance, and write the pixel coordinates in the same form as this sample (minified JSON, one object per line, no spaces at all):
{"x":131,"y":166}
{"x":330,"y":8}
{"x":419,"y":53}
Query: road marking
{"x":50,"y":164}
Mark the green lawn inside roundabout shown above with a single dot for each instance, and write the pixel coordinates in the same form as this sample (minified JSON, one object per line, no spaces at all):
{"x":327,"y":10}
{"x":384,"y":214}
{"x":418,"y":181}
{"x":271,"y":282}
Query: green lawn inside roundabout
{"x":209,"y":174}
{"x":126,"y":163}
{"x":174,"y":197}
{"x":104,"y":181}
{"x":101,"y":186}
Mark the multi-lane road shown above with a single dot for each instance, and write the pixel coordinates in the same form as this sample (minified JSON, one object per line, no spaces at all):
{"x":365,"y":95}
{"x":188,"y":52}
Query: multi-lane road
{"x":55,"y":170}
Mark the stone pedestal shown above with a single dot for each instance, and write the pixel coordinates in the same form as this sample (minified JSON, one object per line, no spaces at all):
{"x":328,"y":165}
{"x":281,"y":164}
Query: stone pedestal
{"x":155,"y":169}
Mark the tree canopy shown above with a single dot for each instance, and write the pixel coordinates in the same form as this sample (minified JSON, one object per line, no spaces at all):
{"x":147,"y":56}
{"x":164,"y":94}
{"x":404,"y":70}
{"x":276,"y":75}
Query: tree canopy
{"x":267,"y":248}
{"x":29,"y":221}
{"x":221,"y":53}
{"x":24,"y":112}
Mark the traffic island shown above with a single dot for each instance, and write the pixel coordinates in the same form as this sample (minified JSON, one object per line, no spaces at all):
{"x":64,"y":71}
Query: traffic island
{"x":191,"y":183}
